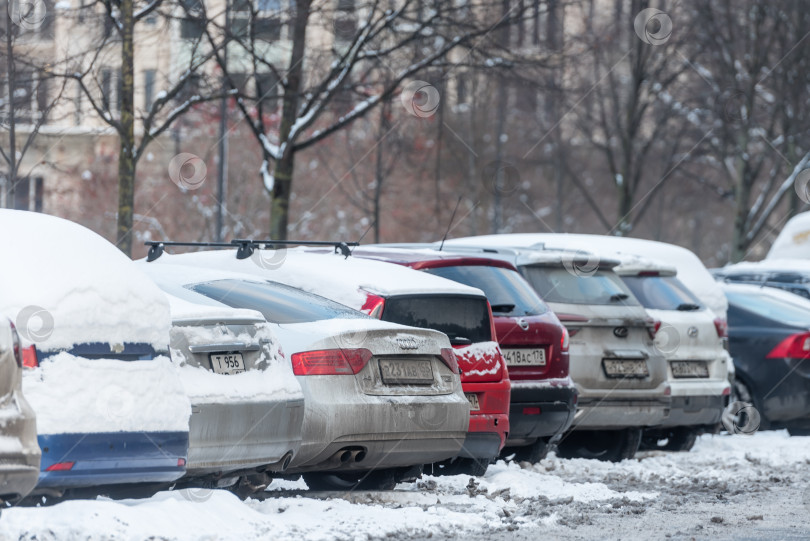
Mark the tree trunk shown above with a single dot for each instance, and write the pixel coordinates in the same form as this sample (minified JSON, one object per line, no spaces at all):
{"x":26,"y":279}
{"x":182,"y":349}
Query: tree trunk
{"x":11,"y":178}
{"x":739,"y":243}
{"x":126,"y":157}
{"x":283,"y":171}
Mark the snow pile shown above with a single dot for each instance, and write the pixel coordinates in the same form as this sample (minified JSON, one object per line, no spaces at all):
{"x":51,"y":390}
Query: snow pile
{"x":691,"y":270}
{"x":344,"y":280}
{"x":67,"y":285}
{"x":76,"y":395}
{"x":270,"y":381}
{"x":482,"y":359}
{"x":793,"y":241}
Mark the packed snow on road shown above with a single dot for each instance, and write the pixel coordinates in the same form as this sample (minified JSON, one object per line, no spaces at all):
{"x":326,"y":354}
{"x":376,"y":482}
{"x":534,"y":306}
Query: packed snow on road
{"x":727,"y":487}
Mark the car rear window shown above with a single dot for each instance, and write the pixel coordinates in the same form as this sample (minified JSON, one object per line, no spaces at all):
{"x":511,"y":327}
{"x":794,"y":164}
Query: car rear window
{"x":507,"y":291}
{"x":278,"y":303}
{"x":463,"y":319}
{"x":662,"y":293}
{"x":772,"y":307}
{"x":555,"y":284}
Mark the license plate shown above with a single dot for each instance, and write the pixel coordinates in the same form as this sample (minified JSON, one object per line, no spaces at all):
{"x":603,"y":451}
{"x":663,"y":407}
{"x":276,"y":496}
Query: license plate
{"x":473,"y":398}
{"x":689,"y":369}
{"x":227,"y":363}
{"x":622,"y":368}
{"x":398,"y":372}
{"x":525,"y":357}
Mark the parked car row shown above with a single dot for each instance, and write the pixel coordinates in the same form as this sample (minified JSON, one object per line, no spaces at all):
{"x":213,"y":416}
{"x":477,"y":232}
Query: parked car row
{"x":352,"y":368}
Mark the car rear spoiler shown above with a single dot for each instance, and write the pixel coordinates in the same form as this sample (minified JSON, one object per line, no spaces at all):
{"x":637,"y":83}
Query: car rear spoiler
{"x":246,"y":247}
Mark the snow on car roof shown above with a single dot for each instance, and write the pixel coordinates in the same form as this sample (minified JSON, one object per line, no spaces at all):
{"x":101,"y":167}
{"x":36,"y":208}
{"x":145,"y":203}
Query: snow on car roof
{"x":691,"y":270}
{"x":769,"y":291}
{"x":63,"y":284}
{"x":184,"y":310}
{"x":796,"y":265}
{"x":329,"y":275}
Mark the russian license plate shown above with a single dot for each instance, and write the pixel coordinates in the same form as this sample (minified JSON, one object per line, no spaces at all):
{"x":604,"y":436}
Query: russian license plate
{"x":524,"y":357}
{"x":473,"y":398}
{"x":227,"y":363}
{"x":399,"y":372}
{"x":689,"y":369}
{"x":624,"y":368}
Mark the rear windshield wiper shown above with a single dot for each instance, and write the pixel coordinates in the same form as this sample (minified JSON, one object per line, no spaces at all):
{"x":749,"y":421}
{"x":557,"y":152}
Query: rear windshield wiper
{"x":460,"y":341}
{"x":619,"y":297}
{"x":688,"y":307}
{"x":503,"y":308}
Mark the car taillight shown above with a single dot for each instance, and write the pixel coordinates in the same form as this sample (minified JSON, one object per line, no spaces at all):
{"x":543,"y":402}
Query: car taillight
{"x":653,"y":326}
{"x":449,"y":358}
{"x":796,"y":346}
{"x":60,"y":466}
{"x":564,"y":340}
{"x":330,"y":362}
{"x":373,"y":306}
{"x":721,"y":326}
{"x":492,"y":330}
{"x":29,"y":357}
{"x":567,"y":319}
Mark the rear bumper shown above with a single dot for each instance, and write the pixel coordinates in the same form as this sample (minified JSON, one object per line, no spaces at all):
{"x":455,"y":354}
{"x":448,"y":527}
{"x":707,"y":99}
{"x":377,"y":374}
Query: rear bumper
{"x":607,"y":412}
{"x":696,"y":410}
{"x":112,"y":458}
{"x":540,"y":410}
{"x":482,"y":445}
{"x":17,"y":478}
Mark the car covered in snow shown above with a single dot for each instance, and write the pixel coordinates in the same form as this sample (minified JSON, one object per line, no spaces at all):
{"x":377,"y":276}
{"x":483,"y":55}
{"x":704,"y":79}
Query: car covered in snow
{"x":533,"y":342}
{"x":769,"y":338}
{"x":791,"y":275}
{"x":395,"y":294}
{"x":95,"y":336}
{"x":621,"y":377}
{"x":380,"y":399}
{"x":19,"y":451}
{"x":247,"y":408}
{"x":694,"y":343}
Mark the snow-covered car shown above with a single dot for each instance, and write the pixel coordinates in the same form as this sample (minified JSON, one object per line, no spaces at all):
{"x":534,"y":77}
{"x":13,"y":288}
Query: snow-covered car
{"x":95,"y":332}
{"x":19,"y":451}
{"x":380,"y":399}
{"x":793,"y":241}
{"x":399,"y":295}
{"x":791,"y":275}
{"x":770,"y":342}
{"x":693,"y":341}
{"x":247,"y":408}
{"x":621,"y":377}
{"x":533,"y":341}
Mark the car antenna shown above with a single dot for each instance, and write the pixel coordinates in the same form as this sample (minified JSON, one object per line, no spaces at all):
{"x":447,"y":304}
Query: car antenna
{"x":444,"y":238}
{"x":362,"y":237}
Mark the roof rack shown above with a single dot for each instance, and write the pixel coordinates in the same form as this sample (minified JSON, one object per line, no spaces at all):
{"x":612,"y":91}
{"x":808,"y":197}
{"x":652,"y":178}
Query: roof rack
{"x":246,"y":247}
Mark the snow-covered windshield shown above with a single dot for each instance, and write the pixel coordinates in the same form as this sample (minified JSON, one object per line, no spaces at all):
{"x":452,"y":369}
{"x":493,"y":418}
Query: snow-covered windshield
{"x":506,"y":290}
{"x":555,"y":284}
{"x":662,"y":293}
{"x":278,"y":303}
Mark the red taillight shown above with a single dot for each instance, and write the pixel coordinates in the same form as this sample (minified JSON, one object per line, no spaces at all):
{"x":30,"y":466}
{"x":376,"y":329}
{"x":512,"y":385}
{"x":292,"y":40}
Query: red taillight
{"x":373,"y":306}
{"x":181,"y":462}
{"x":449,"y":358}
{"x":653,"y":326}
{"x":29,"y":357}
{"x":564,"y":340}
{"x":60,"y":466}
{"x":649,"y":273}
{"x":492,"y":330}
{"x":531,"y":411}
{"x":571,"y":318}
{"x":480,"y":362}
{"x":796,"y":346}
{"x":721,"y":326}
{"x":333,"y":362}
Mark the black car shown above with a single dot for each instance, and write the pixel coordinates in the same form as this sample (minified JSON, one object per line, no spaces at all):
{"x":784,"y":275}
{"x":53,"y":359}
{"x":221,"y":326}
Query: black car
{"x":794,"y":281}
{"x":769,"y":339}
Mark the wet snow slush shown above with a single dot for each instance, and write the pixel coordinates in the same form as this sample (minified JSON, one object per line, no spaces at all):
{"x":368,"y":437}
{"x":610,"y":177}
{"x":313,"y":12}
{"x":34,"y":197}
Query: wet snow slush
{"x":727,"y":487}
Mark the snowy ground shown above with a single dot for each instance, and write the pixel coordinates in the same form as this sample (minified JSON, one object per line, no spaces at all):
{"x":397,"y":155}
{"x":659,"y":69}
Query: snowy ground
{"x":728,"y":487}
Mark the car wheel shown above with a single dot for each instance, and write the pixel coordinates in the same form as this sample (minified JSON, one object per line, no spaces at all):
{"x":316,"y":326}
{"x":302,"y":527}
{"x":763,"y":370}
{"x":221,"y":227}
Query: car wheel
{"x":366,"y":480}
{"x":475,"y":467}
{"x":607,"y":445}
{"x":532,"y":454}
{"x":680,"y":438}
{"x":741,"y":392}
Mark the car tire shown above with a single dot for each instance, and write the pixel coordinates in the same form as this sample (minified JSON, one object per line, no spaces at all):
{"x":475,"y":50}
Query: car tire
{"x":741,"y":392}
{"x":679,"y":439}
{"x":365,"y":480}
{"x":606,"y":445}
{"x":532,"y":454}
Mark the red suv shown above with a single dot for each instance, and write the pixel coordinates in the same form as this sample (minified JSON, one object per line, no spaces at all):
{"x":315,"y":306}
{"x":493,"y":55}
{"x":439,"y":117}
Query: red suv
{"x":533,"y":341}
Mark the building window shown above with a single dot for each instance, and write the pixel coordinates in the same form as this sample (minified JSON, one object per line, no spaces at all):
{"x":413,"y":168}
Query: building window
{"x":111,"y":89}
{"x":21,"y":194}
{"x":192,"y":26}
{"x":148,"y":88}
{"x":267,"y":90}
